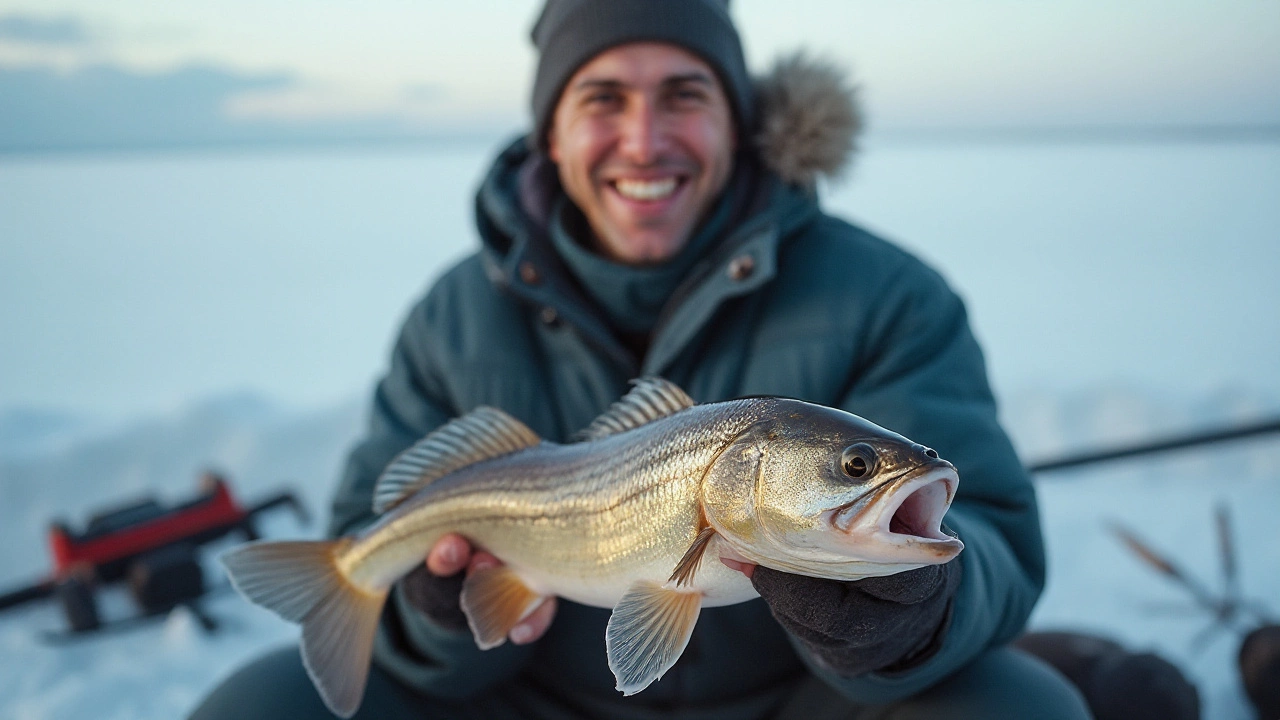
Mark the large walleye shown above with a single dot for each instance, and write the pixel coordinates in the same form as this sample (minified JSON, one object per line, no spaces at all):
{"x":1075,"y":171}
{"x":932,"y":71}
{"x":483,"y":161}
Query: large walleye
{"x":635,"y":517}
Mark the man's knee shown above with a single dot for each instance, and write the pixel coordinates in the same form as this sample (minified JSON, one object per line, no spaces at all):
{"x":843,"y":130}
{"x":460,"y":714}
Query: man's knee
{"x":1000,"y":683}
{"x":273,"y":686}
{"x":276,"y":685}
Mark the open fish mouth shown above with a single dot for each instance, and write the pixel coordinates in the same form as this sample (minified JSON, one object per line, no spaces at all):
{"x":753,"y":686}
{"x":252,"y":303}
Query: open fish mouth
{"x":905,"y":514}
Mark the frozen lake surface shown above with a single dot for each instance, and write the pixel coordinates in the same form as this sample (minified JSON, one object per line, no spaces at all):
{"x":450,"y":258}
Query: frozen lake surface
{"x":134,"y":283}
{"x":160,"y":671}
{"x":152,"y":302}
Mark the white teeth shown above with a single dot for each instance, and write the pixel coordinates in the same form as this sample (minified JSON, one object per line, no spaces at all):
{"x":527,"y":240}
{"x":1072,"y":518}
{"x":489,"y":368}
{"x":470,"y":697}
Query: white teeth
{"x":645,"y":189}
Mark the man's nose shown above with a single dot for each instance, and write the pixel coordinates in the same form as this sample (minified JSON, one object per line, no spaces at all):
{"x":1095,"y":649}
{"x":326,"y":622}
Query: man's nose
{"x":641,"y":134}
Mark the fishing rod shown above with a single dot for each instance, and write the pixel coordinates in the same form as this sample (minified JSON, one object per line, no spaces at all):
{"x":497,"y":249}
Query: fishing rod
{"x":1176,"y":442}
{"x":1259,"y":655}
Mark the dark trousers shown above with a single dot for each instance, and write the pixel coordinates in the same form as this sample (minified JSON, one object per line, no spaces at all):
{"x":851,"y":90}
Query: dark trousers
{"x":1002,"y":683}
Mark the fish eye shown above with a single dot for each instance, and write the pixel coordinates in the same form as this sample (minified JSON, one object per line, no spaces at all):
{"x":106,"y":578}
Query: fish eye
{"x":858,"y":460}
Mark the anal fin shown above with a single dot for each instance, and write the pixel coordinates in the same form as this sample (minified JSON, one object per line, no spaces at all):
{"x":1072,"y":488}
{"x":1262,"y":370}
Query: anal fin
{"x":494,"y":601}
{"x":647,"y":633}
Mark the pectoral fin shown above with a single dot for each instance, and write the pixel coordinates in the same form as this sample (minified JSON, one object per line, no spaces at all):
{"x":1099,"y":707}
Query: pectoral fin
{"x":688,"y":565}
{"x":647,"y":632}
{"x":494,"y":601}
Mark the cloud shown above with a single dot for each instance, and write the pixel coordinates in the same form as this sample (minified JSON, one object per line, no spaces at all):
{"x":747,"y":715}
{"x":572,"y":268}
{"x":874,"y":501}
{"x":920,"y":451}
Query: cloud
{"x":43,"y":31}
{"x":107,"y":106}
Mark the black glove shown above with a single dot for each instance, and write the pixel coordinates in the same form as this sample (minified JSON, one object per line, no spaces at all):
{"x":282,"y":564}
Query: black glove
{"x":886,"y":624}
{"x":436,"y":597}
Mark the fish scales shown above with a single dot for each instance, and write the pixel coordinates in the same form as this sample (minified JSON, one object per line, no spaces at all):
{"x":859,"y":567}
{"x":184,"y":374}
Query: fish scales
{"x":637,"y":517}
{"x":585,"y":509}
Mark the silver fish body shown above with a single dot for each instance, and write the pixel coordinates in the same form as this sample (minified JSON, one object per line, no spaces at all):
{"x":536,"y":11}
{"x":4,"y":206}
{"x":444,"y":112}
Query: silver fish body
{"x":635,"y":517}
{"x":582,"y":521}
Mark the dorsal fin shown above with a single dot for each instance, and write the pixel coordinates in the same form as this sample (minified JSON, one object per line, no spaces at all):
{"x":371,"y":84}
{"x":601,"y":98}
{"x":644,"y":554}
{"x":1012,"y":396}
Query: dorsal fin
{"x":652,"y":398}
{"x":481,"y":434}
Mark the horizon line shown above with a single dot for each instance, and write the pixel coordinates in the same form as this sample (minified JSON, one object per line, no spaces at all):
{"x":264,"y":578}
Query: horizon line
{"x":1090,"y":134}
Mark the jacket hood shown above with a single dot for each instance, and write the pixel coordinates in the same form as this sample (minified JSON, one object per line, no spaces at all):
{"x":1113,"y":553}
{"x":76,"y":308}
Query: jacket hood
{"x":809,"y":120}
{"x":808,"y":123}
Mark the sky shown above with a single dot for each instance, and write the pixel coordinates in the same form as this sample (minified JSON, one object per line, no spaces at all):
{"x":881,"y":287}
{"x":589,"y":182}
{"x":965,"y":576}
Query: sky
{"x":78,"y":73}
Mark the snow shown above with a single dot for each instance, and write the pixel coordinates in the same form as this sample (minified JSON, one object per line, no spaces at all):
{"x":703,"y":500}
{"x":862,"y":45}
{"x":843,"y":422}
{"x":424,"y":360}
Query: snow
{"x":1119,"y":293}
{"x":161,"y":670}
{"x":1169,"y":501}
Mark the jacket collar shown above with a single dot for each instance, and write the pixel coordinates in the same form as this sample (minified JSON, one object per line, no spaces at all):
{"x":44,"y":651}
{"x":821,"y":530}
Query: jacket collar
{"x":519,"y":258}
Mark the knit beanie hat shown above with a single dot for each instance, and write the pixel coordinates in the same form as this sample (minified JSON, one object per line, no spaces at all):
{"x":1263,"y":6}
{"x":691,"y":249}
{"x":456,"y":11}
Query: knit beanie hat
{"x":568,"y":33}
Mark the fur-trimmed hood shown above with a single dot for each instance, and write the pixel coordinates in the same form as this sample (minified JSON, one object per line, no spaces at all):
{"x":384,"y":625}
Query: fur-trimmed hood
{"x":807,"y":127}
{"x":809,"y":119}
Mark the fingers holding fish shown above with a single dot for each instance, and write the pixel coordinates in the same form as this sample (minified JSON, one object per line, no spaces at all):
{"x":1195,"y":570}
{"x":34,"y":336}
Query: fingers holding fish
{"x":450,"y":555}
{"x":745,"y":568}
{"x":481,"y":560}
{"x":735,"y":560}
{"x":453,"y":553}
{"x":655,"y":483}
{"x":536,"y":625}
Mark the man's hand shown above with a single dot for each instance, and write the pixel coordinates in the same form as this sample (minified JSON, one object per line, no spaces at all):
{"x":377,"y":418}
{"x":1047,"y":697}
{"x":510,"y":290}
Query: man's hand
{"x":434,"y":588}
{"x":888,"y":623}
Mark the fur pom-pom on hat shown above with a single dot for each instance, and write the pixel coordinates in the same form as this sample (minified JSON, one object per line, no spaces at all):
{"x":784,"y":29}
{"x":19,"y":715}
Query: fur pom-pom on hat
{"x":809,"y":119}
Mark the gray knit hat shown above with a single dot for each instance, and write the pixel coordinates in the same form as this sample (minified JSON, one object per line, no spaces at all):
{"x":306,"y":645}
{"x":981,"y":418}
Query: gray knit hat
{"x":571,"y":32}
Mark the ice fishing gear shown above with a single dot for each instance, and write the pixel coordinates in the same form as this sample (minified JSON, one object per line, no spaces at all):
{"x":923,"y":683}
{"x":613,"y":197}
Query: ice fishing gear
{"x":152,"y":547}
{"x":1259,"y":656}
{"x":1228,"y":608}
{"x":1178,"y":442}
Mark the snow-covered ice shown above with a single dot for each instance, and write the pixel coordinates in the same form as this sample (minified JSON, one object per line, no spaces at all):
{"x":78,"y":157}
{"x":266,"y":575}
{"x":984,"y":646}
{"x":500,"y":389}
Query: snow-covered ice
{"x":1120,"y":292}
{"x":161,"y":670}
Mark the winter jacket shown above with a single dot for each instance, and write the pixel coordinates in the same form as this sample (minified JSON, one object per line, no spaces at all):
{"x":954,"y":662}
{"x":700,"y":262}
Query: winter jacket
{"x":792,"y":302}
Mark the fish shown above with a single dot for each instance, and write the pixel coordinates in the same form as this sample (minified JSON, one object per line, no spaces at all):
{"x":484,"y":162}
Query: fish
{"x":647,"y":513}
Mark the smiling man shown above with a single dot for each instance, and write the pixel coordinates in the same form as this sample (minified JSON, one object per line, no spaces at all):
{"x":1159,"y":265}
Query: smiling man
{"x":643,"y":139}
{"x":661,"y":219}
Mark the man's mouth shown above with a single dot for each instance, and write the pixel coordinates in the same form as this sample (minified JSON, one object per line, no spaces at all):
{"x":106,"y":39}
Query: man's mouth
{"x":649,"y":190}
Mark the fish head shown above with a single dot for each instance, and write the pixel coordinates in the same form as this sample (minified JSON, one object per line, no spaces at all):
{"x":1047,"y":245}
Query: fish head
{"x":822,"y":492}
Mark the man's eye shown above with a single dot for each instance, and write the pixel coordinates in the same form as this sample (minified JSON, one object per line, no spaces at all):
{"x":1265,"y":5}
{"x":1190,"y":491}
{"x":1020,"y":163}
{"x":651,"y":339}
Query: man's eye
{"x":687,"y":97}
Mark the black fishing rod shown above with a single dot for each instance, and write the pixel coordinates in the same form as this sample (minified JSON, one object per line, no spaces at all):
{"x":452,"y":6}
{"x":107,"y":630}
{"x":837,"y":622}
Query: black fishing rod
{"x":1259,"y":656}
{"x":1176,"y":442}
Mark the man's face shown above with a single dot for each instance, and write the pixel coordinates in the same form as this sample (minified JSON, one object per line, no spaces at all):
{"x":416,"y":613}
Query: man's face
{"x":643,"y":138}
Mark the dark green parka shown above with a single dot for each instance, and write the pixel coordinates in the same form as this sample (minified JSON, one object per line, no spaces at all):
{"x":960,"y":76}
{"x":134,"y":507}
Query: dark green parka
{"x":791,"y":302}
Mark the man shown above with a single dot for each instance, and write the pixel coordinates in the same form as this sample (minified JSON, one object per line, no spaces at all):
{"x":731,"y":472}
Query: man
{"x":661,"y":220}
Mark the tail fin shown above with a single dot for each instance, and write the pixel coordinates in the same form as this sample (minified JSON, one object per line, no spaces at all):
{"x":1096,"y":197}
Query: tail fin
{"x":300,"y":582}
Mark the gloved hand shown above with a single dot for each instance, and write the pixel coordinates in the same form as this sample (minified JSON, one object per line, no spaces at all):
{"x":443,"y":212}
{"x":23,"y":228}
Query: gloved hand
{"x":884,"y":624}
{"x":436,"y":597}
{"x":434,"y":589}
